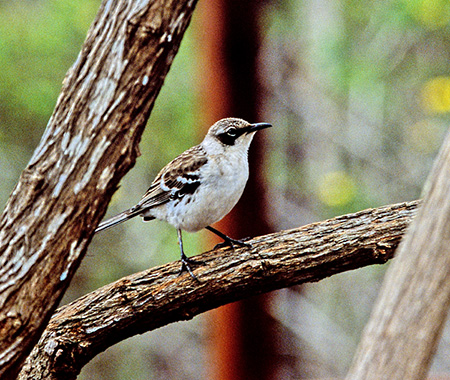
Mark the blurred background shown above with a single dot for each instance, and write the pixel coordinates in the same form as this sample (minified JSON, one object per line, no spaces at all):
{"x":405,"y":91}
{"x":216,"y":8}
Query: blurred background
{"x":359,"y":96}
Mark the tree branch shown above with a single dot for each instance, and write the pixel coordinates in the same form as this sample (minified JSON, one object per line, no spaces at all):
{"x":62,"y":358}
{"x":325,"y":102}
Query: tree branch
{"x":90,"y":143}
{"x":158,"y":296}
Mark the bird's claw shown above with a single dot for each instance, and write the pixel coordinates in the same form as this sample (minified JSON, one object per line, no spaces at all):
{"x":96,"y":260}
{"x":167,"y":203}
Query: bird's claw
{"x":185,"y":266}
{"x":232,"y":243}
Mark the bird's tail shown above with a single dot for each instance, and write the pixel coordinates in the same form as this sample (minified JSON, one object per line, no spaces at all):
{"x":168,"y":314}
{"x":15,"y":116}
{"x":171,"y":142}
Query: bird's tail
{"x":119,"y":218}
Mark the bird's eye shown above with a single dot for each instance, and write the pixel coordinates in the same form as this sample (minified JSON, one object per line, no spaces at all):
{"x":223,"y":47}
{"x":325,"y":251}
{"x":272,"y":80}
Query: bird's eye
{"x":232,"y":132}
{"x":228,"y":136}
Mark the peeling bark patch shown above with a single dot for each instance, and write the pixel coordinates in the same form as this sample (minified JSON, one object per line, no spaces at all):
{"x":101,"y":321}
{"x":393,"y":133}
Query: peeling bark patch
{"x":113,"y":107}
{"x":64,"y":275}
{"x":57,"y":222}
{"x":102,"y":98}
{"x":105,"y":177}
{"x":17,"y":270}
{"x":50,"y":346}
{"x":59,"y":185}
{"x":65,"y":141}
{"x":74,"y":253}
{"x":78,"y":146}
{"x":43,"y":145}
{"x":93,"y":162}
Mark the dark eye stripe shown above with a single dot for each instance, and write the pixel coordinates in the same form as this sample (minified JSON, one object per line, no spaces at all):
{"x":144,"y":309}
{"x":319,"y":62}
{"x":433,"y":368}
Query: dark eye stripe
{"x":229,"y":138}
{"x":226,"y":139}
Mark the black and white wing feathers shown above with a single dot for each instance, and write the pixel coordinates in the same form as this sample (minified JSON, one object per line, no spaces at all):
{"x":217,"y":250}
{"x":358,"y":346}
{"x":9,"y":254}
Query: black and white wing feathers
{"x":179,"y":177}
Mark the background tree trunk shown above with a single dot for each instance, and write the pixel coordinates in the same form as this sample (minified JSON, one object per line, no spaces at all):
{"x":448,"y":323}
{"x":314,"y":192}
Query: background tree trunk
{"x":402,"y":335}
{"x":90,"y":142}
{"x":242,"y":344}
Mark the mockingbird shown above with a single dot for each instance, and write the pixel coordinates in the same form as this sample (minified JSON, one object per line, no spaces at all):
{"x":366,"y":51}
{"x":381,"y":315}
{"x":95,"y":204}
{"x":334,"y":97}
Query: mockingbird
{"x":201,"y":185}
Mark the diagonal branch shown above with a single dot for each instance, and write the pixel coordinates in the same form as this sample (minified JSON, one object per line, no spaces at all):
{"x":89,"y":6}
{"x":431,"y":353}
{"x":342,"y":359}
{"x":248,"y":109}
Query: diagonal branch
{"x":158,"y":296}
{"x":90,"y":142}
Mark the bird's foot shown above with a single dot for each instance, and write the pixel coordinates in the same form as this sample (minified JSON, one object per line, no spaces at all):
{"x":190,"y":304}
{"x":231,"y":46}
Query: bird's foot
{"x":186,"y":263}
{"x":229,"y":242}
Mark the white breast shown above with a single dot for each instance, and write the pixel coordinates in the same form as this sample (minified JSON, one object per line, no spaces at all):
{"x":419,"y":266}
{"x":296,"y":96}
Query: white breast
{"x":223,"y":181}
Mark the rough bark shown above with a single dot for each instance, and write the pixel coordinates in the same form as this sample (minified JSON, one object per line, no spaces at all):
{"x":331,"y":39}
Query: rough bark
{"x":402,"y":335}
{"x":158,"y":296}
{"x":89,"y":144}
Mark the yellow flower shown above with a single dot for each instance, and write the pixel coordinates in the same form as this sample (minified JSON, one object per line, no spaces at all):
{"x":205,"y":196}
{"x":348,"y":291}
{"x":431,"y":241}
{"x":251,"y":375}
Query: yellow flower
{"x":336,"y":189}
{"x":436,"y":95}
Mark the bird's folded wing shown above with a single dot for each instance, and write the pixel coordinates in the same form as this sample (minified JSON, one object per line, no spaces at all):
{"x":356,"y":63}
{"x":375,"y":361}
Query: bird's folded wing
{"x":179,"y":177}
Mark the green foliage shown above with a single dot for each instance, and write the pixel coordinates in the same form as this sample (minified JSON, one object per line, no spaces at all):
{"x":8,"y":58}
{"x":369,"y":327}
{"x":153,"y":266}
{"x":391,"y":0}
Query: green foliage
{"x":39,"y":40}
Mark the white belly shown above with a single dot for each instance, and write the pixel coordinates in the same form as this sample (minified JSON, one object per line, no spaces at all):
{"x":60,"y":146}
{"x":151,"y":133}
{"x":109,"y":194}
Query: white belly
{"x":221,"y":188}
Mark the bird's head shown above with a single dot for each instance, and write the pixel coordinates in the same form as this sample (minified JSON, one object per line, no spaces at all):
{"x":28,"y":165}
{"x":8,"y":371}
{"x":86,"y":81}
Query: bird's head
{"x":232,"y":132}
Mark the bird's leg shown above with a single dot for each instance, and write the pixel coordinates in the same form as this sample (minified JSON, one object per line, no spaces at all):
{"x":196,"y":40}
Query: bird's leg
{"x":227,"y":240}
{"x":185,"y":261}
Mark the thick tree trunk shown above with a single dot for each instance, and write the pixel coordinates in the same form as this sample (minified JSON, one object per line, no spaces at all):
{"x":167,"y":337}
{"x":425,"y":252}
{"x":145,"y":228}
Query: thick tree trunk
{"x":400,"y":339}
{"x":91,"y":141}
{"x":158,"y":296}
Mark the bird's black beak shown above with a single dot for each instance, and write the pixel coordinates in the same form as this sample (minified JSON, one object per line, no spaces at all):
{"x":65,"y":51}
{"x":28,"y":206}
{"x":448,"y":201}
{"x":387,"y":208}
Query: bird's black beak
{"x":257,"y":126}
